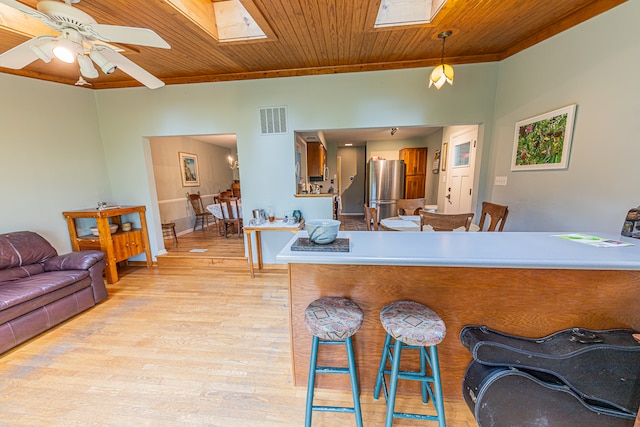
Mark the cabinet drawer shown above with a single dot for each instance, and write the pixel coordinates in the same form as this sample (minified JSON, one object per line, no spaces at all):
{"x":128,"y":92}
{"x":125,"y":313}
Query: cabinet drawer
{"x":127,"y":244}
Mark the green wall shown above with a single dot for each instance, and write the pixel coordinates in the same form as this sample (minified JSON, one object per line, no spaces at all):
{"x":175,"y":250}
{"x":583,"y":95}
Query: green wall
{"x":128,"y":117}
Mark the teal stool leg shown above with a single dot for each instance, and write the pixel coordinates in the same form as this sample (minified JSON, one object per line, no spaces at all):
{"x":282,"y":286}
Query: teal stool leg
{"x":393,"y":383}
{"x":437,"y":385}
{"x":311,"y":381}
{"x":354,"y":382}
{"x":383,"y":363}
{"x":423,"y":373}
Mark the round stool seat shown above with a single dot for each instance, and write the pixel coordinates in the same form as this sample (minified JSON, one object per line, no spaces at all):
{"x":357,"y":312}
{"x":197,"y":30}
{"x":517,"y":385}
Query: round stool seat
{"x":413,"y":323}
{"x":333,"y":318}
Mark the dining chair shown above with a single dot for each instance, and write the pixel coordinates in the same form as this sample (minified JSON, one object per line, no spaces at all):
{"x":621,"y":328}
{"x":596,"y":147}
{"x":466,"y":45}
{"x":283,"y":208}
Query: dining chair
{"x":371,"y":218}
{"x":235,"y":188}
{"x":497,"y":213}
{"x":201,"y":213}
{"x":445,"y":222}
{"x":410,"y":206}
{"x":229,"y":206}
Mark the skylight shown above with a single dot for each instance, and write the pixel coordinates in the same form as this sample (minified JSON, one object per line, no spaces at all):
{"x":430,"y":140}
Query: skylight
{"x":407,"y":12}
{"x":235,"y":23}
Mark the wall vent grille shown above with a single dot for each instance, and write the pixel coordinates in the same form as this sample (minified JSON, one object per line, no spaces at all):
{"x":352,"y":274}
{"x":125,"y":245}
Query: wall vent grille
{"x":273,"y":120}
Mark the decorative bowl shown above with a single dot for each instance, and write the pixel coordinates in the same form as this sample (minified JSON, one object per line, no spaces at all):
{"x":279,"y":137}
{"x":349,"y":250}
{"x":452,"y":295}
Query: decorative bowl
{"x":112,"y":228}
{"x":322,"y":231}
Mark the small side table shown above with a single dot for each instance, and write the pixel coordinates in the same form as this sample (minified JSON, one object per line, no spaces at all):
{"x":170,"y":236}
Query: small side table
{"x":278,"y":225}
{"x":118,"y":246}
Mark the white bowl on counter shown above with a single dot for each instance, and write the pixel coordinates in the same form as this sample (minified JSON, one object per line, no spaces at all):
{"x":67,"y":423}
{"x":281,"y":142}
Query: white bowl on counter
{"x":112,"y":228}
{"x":322,"y":231}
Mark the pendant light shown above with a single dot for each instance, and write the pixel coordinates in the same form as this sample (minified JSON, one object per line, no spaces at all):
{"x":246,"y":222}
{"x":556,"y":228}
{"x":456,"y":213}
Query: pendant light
{"x":443,"y":72}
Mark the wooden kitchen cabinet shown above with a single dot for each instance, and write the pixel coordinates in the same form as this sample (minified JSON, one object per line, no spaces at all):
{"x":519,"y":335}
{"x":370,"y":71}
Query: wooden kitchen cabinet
{"x":118,"y":246}
{"x":415,"y":159}
{"x":316,"y":159}
{"x":415,"y":179}
{"x":414,"y":186}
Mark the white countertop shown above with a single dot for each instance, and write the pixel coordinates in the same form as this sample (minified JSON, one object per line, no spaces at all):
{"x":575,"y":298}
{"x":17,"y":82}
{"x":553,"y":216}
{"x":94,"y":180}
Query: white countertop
{"x":497,"y":250}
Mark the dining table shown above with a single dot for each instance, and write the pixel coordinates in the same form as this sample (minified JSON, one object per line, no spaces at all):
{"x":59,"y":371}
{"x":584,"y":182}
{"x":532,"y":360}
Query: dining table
{"x":412,"y":223}
{"x":216,"y":210}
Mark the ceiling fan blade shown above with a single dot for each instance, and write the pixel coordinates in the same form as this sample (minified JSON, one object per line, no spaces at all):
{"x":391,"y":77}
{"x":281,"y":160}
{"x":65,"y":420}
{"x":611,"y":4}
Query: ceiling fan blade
{"x":127,"y":35}
{"x":20,"y":56}
{"x":131,"y":68}
{"x":27,"y":10}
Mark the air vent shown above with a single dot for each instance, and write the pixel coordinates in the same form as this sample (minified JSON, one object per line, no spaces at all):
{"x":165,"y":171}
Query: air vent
{"x":273,"y":120}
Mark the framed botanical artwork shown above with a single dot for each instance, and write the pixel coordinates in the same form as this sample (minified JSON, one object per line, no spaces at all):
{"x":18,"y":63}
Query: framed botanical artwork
{"x":189,"y":170}
{"x":544,"y":142}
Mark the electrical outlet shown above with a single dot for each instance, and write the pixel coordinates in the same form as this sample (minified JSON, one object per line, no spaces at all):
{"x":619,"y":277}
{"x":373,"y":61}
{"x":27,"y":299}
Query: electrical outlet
{"x":500,"y":180}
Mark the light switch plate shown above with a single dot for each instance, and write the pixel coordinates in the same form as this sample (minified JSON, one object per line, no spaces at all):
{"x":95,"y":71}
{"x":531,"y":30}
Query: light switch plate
{"x":500,"y":180}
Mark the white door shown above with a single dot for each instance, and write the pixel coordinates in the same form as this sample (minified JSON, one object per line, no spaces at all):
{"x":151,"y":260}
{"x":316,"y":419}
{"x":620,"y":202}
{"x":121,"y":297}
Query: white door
{"x":460,"y":171}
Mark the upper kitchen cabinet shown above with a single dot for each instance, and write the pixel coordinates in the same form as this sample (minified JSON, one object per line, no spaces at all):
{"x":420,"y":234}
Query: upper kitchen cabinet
{"x":316,"y":161}
{"x":415,"y":160}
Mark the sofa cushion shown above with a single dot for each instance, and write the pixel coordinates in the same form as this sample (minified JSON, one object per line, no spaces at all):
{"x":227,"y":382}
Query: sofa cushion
{"x":29,"y":305}
{"x":15,"y":273}
{"x":24,"y":248}
{"x":18,"y":291}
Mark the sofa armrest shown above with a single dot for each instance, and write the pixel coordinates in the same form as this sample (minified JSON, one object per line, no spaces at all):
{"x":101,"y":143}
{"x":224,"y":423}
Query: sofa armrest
{"x":82,"y":260}
{"x":94,"y":261}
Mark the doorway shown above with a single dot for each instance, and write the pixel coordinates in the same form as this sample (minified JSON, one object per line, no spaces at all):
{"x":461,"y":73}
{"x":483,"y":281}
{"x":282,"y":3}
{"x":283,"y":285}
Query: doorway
{"x":460,"y":167}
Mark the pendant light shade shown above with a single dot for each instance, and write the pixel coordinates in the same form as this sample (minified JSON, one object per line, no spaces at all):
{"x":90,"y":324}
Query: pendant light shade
{"x":440,"y":75}
{"x":443,"y":73}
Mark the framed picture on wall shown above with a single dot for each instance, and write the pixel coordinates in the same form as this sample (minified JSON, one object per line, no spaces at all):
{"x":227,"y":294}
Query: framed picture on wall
{"x":189,"y":170}
{"x":445,"y":148}
{"x":544,"y":141}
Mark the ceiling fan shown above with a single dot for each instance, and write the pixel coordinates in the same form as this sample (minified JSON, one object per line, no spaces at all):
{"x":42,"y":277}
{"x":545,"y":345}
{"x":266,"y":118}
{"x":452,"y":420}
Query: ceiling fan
{"x":80,"y":39}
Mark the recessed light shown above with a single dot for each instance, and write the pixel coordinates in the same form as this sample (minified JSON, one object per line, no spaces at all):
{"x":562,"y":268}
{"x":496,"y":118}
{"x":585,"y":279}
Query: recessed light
{"x":348,"y":145}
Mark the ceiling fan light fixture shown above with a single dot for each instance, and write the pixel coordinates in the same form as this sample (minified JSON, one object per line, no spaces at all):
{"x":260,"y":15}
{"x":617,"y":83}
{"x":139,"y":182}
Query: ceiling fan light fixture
{"x":443,"y":73}
{"x":105,"y":65}
{"x":86,"y":67}
{"x":65,"y":50}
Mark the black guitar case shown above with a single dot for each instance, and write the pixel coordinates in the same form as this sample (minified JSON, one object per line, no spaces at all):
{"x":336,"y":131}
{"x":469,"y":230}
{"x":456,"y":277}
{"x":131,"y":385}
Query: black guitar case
{"x":601,"y":367}
{"x":509,"y":397}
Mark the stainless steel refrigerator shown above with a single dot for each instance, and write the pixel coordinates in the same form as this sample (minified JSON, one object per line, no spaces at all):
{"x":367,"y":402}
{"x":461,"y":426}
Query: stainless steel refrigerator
{"x":385,"y":185}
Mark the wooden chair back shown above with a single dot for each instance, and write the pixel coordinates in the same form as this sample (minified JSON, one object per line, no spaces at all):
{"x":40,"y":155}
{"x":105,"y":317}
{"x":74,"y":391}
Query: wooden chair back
{"x":229,"y":206}
{"x":235,"y":188}
{"x":196,"y":203}
{"x":410,"y":206}
{"x":226,"y":193}
{"x":202,"y":215}
{"x":371,"y":218}
{"x":497,"y":213}
{"x":445,"y":222}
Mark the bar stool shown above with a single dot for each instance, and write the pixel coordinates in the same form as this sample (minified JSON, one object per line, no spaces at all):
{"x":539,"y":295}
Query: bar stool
{"x":412,"y":326}
{"x":333,"y":320}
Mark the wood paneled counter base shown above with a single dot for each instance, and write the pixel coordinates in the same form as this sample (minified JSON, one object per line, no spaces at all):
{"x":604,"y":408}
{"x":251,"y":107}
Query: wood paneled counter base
{"x":528,"y":302}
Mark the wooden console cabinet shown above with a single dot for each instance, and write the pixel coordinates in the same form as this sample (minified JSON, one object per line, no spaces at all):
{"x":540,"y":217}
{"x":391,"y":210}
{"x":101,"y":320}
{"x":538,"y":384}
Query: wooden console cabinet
{"x":119,"y":246}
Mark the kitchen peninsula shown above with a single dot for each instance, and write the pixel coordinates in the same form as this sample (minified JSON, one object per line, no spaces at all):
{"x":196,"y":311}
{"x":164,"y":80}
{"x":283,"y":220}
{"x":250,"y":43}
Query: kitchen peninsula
{"x":530,"y":284}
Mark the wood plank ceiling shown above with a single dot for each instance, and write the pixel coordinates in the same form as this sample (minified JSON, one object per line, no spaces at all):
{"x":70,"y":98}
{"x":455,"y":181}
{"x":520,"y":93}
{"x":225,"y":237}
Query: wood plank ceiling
{"x":308,"y":37}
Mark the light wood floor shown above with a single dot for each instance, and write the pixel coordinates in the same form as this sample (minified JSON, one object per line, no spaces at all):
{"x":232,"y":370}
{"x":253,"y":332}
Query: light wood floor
{"x":177,"y":346}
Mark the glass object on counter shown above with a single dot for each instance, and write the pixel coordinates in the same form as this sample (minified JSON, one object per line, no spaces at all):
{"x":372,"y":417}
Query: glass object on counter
{"x":271,"y":213}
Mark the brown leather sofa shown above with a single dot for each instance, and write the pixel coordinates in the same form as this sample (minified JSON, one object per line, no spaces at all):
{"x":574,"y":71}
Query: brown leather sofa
{"x":40,"y":289}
